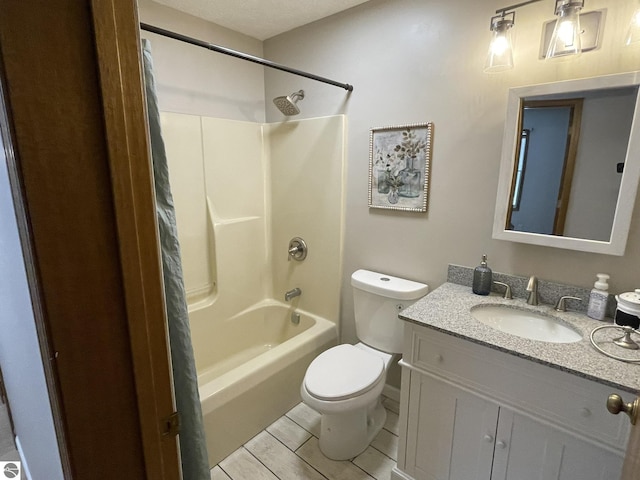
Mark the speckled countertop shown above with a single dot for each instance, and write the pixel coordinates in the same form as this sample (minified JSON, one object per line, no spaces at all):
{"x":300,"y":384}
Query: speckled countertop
{"x":448,"y":309}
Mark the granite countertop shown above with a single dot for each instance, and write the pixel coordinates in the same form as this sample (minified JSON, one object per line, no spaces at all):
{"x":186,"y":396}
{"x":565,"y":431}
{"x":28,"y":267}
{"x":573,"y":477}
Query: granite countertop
{"x":447,"y":309}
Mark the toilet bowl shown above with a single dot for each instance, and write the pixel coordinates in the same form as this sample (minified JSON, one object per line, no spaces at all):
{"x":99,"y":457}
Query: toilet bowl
{"x":344,"y":384}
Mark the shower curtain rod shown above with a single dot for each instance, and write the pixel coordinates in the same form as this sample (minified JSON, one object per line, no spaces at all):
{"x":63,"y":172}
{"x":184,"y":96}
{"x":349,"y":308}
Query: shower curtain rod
{"x":241,"y":55}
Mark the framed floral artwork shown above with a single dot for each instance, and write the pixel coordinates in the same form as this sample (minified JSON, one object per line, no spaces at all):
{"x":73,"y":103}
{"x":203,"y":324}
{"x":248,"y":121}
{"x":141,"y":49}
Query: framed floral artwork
{"x":399,"y":159}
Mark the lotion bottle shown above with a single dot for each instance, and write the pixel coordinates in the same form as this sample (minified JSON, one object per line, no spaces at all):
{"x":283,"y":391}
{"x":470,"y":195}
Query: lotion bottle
{"x":599,"y":297}
{"x":482,"y":278}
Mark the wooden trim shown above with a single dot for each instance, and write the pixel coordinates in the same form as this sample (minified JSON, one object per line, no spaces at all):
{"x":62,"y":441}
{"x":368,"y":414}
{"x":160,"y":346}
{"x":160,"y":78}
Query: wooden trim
{"x":564,"y":194}
{"x":631,"y":465}
{"x":119,"y":58}
{"x":73,"y":90}
{"x":35,"y":293}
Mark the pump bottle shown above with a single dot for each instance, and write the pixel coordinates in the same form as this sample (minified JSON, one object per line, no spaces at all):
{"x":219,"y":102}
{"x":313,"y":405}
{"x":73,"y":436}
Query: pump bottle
{"x":482,"y":278}
{"x":599,"y":297}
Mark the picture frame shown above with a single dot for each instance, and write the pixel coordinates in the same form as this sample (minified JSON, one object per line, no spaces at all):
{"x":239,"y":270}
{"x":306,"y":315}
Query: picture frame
{"x":399,"y":162}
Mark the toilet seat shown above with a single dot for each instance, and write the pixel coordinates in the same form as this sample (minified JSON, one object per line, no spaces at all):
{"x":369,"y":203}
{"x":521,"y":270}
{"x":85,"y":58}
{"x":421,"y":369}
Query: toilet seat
{"x":343,"y":372}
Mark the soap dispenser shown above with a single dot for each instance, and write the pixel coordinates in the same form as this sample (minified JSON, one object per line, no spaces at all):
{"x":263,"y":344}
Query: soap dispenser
{"x":482,"y":278}
{"x":599,"y":297}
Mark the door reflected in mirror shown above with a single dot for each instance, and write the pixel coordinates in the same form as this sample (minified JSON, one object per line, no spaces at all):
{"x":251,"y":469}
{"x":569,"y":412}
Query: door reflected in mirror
{"x":550,"y":133}
{"x":565,"y":178}
{"x":569,"y":170}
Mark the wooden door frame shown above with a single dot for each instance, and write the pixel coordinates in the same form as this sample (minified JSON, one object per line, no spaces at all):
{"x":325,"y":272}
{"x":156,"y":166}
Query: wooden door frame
{"x":632,"y":459}
{"x":80,"y":170}
{"x":571,"y":151}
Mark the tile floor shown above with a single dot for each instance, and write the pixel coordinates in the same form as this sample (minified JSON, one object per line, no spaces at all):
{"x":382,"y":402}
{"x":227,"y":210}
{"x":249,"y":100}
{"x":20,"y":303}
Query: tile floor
{"x":288,"y":450}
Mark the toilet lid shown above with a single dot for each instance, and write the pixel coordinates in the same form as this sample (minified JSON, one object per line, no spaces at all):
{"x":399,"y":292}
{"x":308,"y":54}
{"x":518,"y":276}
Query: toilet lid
{"x":343,"y":372}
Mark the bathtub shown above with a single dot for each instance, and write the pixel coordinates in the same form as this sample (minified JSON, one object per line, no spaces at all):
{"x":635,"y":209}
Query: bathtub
{"x":250,"y":372}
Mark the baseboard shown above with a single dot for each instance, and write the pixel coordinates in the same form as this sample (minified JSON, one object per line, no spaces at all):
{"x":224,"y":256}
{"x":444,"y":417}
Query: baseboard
{"x":391,"y":392}
{"x":23,"y":461}
{"x":399,"y":475}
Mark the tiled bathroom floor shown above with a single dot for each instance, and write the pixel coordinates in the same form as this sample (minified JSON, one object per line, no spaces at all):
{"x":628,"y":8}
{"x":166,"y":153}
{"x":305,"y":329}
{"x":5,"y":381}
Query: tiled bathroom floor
{"x":288,"y":450}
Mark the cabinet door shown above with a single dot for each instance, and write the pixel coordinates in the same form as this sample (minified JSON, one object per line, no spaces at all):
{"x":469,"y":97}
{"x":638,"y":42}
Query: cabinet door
{"x":528,"y":449}
{"x":450,"y":432}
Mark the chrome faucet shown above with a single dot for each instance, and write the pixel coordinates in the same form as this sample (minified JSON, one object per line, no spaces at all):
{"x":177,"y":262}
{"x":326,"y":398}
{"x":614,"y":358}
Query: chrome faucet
{"x":532,"y":288}
{"x":296,"y":292}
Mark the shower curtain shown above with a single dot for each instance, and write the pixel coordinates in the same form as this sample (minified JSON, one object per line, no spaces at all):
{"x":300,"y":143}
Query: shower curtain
{"x":193,"y":451}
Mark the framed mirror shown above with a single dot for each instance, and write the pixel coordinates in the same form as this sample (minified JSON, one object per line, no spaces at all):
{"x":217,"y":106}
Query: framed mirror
{"x":570,"y":164}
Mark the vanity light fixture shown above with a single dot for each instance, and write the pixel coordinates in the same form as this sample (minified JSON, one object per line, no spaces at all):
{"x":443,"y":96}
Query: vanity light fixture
{"x":566,"y":36}
{"x":570,"y":34}
{"x":500,"y":55}
{"x":633,"y":35}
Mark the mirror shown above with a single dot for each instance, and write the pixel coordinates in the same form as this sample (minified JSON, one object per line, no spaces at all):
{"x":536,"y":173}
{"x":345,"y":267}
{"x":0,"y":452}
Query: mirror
{"x":570,"y":168}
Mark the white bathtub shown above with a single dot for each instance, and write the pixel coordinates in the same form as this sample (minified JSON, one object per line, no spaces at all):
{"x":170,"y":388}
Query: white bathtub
{"x":250,"y":372}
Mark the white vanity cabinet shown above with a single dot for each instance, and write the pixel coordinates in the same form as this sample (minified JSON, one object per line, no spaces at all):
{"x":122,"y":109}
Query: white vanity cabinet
{"x":469,"y":412}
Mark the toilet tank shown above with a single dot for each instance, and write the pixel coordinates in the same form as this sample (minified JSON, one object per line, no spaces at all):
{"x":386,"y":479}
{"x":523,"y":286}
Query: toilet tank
{"x":377,"y":300}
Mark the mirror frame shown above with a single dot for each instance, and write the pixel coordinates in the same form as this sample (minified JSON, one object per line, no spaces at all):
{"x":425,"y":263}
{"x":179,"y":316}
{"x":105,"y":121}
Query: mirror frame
{"x":628,"y":185}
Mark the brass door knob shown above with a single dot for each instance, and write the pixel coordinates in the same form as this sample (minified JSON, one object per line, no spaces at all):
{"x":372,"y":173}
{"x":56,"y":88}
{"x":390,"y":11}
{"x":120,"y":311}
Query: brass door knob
{"x":615,"y":405}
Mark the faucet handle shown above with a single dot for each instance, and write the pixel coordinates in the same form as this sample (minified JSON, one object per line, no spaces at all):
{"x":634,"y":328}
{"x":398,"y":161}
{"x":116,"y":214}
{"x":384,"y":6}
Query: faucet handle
{"x":532,"y":288}
{"x":561,"y":307}
{"x":297,"y":249}
{"x":507,"y":289}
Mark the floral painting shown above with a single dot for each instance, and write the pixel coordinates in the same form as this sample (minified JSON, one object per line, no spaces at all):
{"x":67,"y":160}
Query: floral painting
{"x":399,"y":160}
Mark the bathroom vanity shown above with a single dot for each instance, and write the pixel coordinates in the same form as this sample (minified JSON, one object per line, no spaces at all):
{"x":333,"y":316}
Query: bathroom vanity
{"x":478,"y":403}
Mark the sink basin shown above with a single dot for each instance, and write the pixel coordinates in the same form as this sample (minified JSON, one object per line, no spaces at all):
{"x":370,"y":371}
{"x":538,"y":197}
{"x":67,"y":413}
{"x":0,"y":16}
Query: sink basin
{"x":525,"y":324}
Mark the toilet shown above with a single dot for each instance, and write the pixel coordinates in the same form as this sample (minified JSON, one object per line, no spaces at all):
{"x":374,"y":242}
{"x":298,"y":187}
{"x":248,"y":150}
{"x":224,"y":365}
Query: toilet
{"x":344,"y":383}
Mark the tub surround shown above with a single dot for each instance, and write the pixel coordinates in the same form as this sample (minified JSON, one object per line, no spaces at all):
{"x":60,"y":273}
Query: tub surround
{"x":448,"y":309}
{"x":242,"y":190}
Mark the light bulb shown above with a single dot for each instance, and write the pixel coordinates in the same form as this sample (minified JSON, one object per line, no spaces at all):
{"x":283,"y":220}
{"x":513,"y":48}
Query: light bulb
{"x":566,"y":33}
{"x":565,"y":39}
{"x":633,"y":36}
{"x":500,"y":55}
{"x":499,"y":45}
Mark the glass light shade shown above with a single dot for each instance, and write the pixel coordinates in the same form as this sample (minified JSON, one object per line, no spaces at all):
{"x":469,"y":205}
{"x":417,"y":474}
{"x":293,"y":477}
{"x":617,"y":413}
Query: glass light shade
{"x":633,"y":36}
{"x":565,"y":39}
{"x":500,"y":55}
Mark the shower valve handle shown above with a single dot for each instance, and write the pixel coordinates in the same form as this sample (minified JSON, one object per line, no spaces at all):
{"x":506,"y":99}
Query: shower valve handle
{"x":297,"y":249}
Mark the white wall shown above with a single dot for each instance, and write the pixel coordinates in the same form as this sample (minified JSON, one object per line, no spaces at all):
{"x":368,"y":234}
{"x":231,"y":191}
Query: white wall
{"x":414,"y":61}
{"x":20,"y":357}
{"x":194,"y":80}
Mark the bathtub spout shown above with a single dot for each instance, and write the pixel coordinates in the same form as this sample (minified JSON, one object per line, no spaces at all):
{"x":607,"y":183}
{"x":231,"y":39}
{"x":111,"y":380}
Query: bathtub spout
{"x":296,"y":292}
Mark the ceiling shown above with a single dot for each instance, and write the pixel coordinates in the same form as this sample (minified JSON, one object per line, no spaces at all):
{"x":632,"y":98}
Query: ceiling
{"x":261,"y":19}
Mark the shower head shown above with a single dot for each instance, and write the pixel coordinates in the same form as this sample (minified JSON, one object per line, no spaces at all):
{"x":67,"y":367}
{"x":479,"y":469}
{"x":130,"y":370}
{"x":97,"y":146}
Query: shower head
{"x":287,"y":105}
